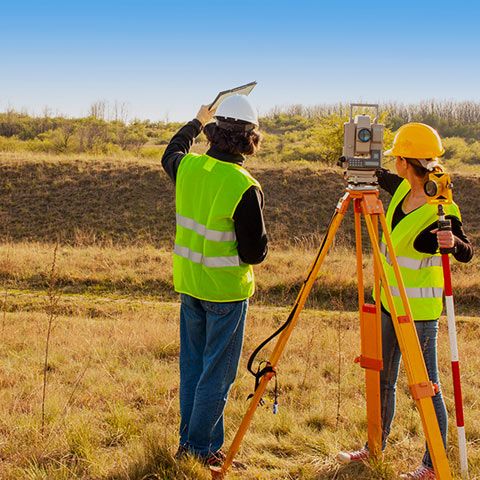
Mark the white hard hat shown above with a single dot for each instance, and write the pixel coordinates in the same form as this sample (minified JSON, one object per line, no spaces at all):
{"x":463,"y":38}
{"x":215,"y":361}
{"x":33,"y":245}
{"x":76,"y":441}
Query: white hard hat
{"x":237,"y":107}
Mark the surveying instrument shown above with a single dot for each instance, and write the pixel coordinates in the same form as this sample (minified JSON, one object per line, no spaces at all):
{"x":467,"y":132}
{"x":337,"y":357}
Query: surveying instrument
{"x":362,"y":156}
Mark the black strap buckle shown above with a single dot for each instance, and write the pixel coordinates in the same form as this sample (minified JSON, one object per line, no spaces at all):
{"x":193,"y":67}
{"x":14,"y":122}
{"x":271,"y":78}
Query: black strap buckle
{"x":258,"y":376}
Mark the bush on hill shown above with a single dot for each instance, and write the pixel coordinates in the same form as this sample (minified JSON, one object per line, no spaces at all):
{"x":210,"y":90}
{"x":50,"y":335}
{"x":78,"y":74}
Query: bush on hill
{"x":462,"y":150}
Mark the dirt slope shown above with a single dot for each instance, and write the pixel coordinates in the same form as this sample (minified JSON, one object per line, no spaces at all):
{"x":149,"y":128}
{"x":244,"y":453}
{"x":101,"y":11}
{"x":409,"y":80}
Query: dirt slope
{"x":82,"y":201}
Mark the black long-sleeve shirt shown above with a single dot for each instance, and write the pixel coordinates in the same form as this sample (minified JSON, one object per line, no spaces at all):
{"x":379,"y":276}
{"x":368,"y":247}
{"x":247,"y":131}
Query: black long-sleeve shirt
{"x":426,"y":241}
{"x":248,"y":216}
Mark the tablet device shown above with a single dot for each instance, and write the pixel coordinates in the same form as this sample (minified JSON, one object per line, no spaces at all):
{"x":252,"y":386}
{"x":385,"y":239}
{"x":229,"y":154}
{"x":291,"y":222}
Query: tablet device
{"x":242,"y":90}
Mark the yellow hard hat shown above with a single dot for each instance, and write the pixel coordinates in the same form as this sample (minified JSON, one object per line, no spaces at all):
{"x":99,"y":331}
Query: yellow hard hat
{"x":416,"y":140}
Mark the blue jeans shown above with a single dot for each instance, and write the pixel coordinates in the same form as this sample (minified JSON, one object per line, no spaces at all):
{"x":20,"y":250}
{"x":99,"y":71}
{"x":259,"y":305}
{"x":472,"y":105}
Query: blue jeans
{"x":427,"y":335}
{"x":211,"y":339}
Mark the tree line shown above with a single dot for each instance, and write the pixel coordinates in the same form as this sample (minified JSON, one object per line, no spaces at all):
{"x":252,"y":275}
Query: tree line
{"x":296,"y":132}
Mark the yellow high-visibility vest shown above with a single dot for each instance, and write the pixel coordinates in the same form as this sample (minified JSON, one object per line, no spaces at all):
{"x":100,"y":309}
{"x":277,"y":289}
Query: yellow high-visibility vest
{"x":206,"y":264}
{"x":422,"y":273}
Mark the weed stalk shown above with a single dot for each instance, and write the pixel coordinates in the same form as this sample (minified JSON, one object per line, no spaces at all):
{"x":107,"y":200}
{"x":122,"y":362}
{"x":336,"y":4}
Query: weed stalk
{"x":53,"y":297}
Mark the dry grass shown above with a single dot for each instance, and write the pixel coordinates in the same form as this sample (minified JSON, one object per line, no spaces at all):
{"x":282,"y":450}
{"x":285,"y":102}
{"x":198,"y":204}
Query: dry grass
{"x":112,"y":409}
{"x":146,"y":272}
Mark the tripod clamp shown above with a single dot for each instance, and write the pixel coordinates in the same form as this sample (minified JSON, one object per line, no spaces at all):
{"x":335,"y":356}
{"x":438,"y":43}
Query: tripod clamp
{"x":269,"y":372}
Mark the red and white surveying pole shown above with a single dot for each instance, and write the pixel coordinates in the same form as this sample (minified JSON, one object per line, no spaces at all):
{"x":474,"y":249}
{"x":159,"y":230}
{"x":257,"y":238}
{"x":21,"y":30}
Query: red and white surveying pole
{"x":444,"y":224}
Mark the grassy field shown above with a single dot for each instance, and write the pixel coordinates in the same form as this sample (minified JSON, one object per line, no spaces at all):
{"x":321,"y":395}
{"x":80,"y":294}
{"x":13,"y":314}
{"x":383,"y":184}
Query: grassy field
{"x":146,"y":272}
{"x":112,"y":395}
{"x":111,"y":408}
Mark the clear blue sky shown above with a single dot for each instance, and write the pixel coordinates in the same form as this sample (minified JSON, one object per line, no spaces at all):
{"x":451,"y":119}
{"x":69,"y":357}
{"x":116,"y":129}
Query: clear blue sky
{"x":165,"y":58}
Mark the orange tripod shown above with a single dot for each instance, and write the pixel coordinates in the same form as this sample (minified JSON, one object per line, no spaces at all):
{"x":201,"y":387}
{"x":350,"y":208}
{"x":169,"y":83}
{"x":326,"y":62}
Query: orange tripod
{"x":367,"y":204}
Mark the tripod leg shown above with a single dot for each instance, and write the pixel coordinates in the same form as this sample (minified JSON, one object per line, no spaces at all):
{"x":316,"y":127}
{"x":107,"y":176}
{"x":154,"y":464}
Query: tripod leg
{"x":371,"y":347}
{"x":220,"y":472}
{"x":377,"y":339}
{"x":421,"y":387}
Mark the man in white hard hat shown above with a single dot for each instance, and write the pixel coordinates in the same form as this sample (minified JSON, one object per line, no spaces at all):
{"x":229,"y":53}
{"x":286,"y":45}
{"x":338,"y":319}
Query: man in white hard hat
{"x":220,"y":234}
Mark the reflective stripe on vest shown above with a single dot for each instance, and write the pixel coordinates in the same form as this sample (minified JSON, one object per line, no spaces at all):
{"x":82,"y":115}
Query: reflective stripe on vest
{"x":214,"y":235}
{"x":423,"y":292}
{"x":213,"y":262}
{"x":411,"y":263}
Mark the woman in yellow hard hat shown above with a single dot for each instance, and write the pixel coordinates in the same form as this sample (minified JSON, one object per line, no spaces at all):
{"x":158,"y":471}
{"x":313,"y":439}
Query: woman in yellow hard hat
{"x":412,"y":225}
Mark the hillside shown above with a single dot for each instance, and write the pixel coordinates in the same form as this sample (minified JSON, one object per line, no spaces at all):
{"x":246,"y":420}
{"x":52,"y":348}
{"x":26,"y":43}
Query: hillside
{"x":84,"y":200}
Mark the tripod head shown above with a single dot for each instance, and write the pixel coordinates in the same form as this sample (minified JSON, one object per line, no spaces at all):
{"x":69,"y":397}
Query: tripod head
{"x":362,"y":149}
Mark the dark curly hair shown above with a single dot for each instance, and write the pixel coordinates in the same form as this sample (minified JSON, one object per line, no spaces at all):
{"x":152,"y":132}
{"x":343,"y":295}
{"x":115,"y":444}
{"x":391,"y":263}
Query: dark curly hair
{"x":234,"y":141}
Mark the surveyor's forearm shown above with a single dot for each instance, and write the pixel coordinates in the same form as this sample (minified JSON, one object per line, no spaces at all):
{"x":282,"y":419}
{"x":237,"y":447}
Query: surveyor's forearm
{"x":426,"y":241}
{"x":388,"y":181}
{"x":179,"y":146}
{"x":463,"y":251}
{"x":254,"y":252}
{"x":250,"y":227}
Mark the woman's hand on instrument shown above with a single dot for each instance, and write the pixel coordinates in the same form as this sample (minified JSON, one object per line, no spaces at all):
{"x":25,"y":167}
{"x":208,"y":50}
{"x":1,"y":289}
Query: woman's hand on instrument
{"x":445,"y":238}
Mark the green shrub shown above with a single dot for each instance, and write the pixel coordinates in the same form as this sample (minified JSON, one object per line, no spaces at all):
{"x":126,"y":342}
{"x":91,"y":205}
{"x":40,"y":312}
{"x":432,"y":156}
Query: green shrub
{"x":460,"y":150}
{"x":151,"y":152}
{"x":11,"y":144}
